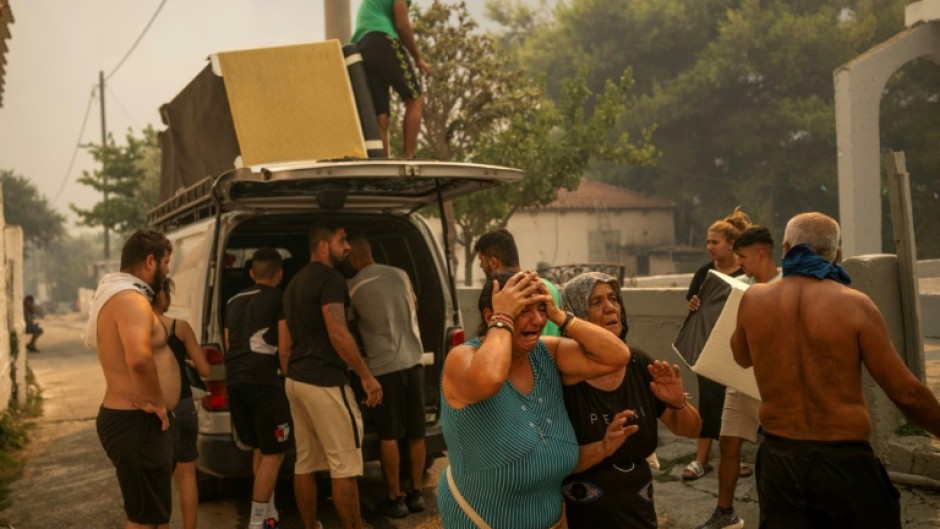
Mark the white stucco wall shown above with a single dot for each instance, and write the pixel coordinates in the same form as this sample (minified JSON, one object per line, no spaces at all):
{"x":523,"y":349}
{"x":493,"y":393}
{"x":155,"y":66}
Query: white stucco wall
{"x":6,"y":383}
{"x":561,"y":237}
{"x":13,"y":240}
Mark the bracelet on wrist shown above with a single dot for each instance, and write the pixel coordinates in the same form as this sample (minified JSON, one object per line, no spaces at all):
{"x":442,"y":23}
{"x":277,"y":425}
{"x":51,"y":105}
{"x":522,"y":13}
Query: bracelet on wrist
{"x":503,"y":317}
{"x":685,"y":402}
{"x":500,"y":324}
{"x":565,"y":325}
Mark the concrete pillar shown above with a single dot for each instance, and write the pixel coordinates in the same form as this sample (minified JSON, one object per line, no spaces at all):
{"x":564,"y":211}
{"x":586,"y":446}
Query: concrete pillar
{"x":859,"y":85}
{"x":336,"y":16}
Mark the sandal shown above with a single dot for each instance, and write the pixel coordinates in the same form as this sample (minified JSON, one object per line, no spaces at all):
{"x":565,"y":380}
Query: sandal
{"x":745,"y":471}
{"x":695,"y":470}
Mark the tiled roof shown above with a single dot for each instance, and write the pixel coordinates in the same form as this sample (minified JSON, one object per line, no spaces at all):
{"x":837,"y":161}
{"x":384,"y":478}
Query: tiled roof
{"x":6,"y":18}
{"x":597,"y":195}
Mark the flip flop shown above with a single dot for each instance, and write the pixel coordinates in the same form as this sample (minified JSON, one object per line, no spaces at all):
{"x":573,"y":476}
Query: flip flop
{"x":695,"y":470}
{"x":745,"y":471}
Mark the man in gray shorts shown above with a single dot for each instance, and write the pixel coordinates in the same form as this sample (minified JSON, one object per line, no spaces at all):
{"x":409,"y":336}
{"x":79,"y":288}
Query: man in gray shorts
{"x":740,"y":418}
{"x":386,"y":314}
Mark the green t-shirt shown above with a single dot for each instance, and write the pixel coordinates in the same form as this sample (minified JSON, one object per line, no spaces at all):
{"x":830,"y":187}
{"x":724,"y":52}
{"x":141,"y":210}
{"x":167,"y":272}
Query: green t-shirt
{"x":550,"y":328}
{"x":376,"y":16}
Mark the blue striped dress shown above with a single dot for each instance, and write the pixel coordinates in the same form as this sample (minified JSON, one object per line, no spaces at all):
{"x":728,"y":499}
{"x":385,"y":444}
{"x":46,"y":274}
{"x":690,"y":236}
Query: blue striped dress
{"x":509,"y":453}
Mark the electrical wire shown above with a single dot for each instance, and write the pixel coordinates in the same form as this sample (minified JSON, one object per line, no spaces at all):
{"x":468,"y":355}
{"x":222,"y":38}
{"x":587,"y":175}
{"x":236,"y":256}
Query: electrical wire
{"x":136,"y":42}
{"x":118,"y":101}
{"x":78,"y":145}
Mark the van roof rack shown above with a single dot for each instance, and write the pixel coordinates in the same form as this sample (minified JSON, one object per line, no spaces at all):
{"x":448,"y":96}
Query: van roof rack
{"x":185,"y":207}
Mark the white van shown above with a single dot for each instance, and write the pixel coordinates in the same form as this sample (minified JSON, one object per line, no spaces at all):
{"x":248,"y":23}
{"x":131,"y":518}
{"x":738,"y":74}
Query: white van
{"x":216,"y":224}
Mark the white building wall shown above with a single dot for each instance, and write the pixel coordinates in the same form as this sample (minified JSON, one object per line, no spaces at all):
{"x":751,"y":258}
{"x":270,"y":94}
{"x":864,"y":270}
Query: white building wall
{"x":13,"y":240}
{"x":562,"y":237}
{"x":6,"y":358}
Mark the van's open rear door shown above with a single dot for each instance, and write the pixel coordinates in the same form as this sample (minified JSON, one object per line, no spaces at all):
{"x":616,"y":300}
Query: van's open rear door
{"x":357,"y":184}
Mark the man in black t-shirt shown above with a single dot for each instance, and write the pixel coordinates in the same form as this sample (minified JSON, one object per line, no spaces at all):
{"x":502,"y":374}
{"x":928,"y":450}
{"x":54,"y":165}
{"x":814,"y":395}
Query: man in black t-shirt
{"x":259,"y":407}
{"x":317,"y":351}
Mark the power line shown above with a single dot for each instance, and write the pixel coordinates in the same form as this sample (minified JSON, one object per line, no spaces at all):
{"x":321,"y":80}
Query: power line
{"x":118,"y":101}
{"x":78,"y":145}
{"x":136,"y":42}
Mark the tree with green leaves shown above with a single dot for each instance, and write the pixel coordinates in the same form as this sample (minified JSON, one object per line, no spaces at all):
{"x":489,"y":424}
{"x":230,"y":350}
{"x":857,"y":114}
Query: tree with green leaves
{"x":130,"y":174}
{"x":482,"y":108}
{"x":740,"y":93}
{"x":24,"y":206}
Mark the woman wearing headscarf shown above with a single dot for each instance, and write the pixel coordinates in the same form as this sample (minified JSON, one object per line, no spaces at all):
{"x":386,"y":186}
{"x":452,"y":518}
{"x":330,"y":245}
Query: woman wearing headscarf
{"x":615,"y":484}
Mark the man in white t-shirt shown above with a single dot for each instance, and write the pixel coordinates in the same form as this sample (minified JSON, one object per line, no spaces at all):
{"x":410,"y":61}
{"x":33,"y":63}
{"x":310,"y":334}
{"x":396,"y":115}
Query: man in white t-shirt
{"x":740,"y":417}
{"x":385,"y":308}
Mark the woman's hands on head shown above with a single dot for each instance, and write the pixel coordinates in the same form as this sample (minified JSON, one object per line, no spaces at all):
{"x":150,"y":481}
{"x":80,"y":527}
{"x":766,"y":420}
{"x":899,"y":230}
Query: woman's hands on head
{"x":520,"y":290}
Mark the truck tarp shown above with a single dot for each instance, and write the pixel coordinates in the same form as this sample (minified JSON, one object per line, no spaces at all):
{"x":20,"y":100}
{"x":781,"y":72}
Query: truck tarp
{"x":261,"y":106}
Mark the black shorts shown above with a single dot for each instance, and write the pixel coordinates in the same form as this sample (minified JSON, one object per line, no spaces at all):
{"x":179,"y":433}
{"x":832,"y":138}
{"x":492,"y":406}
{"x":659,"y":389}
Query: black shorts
{"x":388,"y":64}
{"x":261,"y":417}
{"x":401,"y":413}
{"x":144,"y":458}
{"x":711,"y":402}
{"x":188,"y":424}
{"x":816,"y":484}
{"x":34,"y":328}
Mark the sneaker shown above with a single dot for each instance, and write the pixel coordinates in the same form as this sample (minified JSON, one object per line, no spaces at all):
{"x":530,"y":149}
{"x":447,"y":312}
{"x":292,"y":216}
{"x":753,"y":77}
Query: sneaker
{"x":415,"y":502}
{"x":392,"y":508}
{"x":720,"y":520}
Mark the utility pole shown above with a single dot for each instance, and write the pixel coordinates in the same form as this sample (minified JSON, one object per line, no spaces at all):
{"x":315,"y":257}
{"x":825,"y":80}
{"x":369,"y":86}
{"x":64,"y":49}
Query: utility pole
{"x":104,"y":142}
{"x":336,"y":19}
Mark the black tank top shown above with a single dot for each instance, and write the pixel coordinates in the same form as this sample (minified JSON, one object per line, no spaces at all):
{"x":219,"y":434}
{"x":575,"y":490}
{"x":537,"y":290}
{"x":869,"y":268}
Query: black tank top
{"x":179,"y":351}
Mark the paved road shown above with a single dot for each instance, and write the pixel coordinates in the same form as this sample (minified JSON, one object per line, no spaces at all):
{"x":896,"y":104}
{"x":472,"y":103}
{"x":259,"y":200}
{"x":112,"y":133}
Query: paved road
{"x":69,"y":483}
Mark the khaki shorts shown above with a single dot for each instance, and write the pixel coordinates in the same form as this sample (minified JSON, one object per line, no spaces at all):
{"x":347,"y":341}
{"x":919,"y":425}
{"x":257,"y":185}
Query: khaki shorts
{"x":328,"y":429}
{"x":740,"y":416}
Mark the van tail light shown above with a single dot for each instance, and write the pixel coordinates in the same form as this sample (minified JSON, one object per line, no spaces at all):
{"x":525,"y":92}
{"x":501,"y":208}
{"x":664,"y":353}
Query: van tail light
{"x":455,"y":337}
{"x":214,"y":354}
{"x":217,"y":399}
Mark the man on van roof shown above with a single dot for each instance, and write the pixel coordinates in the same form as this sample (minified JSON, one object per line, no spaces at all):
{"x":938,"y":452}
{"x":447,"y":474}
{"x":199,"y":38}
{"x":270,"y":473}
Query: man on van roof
{"x":382,"y":30}
{"x":317,"y":351}
{"x":142,"y":379}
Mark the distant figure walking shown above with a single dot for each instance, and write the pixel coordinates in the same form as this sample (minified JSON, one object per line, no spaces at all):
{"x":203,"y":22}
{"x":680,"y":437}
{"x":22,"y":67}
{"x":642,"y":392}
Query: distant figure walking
{"x":382,"y":30}
{"x":31,"y":312}
{"x":807,"y":336}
